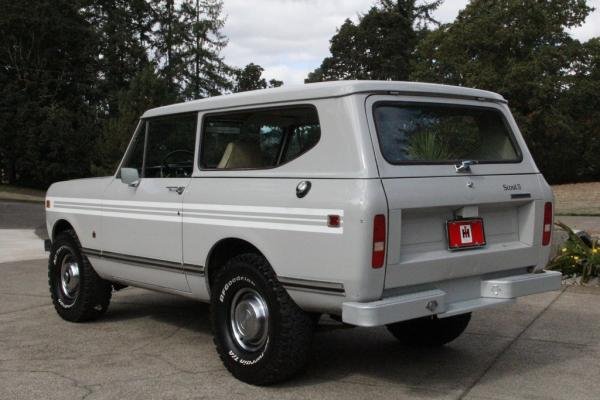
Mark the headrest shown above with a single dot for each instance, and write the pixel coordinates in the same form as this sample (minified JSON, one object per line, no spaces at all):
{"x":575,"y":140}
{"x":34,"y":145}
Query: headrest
{"x":241,"y":155}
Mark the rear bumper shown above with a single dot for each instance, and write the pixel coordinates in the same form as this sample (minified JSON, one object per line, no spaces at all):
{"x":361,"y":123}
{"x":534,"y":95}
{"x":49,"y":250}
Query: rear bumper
{"x":433,"y":302}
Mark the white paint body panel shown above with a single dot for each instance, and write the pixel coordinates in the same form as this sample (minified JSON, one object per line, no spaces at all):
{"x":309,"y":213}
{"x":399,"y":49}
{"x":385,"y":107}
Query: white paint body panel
{"x":349,"y":178}
{"x":143,"y":221}
{"x":493,"y":293}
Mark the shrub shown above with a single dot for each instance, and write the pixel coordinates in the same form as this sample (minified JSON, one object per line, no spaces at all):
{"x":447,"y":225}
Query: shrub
{"x":576,"y":257}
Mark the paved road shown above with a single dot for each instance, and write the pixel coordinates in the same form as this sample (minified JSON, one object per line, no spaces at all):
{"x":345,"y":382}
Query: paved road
{"x":23,"y":215}
{"x":156,"y":346}
{"x":22,"y":228}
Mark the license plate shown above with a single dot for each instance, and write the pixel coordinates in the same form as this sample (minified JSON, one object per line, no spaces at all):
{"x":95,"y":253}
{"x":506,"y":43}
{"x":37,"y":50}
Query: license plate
{"x":465,"y":233}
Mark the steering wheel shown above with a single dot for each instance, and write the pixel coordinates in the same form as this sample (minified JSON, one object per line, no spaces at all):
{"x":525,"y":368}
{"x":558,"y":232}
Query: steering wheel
{"x":165,"y":158}
{"x":181,"y":164}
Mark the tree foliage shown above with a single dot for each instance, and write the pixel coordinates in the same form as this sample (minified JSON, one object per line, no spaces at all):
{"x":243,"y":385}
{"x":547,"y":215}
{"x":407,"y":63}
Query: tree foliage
{"x":47,"y":96}
{"x":250,"y":78}
{"x":582,"y":103}
{"x":379,"y":46}
{"x":146,"y":90}
{"x":519,"y":48}
{"x":204,"y":72}
{"x":123,"y":31}
{"x":522,"y":50}
{"x":75,"y":76}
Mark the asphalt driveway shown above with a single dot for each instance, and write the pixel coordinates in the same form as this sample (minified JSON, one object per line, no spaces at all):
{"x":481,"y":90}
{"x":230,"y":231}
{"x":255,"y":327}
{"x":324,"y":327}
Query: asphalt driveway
{"x":22,"y":228}
{"x":23,"y":215}
{"x":157,"y":346}
{"x":153,"y":345}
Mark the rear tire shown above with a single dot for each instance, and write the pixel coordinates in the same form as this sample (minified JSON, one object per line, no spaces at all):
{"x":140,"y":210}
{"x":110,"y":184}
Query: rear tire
{"x":261,"y":335}
{"x":77,"y":292}
{"x":430,"y":331}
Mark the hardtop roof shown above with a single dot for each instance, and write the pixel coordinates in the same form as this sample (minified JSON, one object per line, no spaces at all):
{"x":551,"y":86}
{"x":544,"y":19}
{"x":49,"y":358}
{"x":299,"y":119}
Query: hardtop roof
{"x":321,"y":90}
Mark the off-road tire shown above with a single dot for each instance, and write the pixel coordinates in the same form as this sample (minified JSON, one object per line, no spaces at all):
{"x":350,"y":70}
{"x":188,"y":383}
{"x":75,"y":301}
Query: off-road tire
{"x":93,"y":295}
{"x":290,"y":329}
{"x":430,"y":331}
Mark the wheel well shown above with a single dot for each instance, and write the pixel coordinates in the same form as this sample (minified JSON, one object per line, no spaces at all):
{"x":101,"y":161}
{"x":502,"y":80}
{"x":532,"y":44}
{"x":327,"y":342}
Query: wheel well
{"x":60,"y":226}
{"x":223,"y":251}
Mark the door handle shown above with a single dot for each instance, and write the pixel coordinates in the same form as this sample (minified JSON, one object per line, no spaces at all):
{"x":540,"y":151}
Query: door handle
{"x":464,"y":166}
{"x":178,"y":189}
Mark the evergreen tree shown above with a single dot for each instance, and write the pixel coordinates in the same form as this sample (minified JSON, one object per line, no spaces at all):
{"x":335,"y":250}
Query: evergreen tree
{"x":188,"y":44}
{"x":582,"y":103}
{"x":47,"y":75}
{"x":522,"y":50}
{"x":379,"y":46}
{"x":123,"y":29}
{"x":167,"y":42}
{"x":146,"y":90}
{"x":203,"y":72}
{"x":75,"y":75}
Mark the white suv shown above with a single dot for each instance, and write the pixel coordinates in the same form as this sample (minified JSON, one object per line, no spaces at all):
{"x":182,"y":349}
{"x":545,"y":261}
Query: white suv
{"x":380,"y":203}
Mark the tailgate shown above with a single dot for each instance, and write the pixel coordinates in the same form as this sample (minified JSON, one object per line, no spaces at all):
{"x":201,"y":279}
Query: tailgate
{"x":419,"y":208}
{"x":443,"y":159}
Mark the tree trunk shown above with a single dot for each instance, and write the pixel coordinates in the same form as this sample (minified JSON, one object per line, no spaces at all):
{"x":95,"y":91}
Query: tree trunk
{"x":11,"y":171}
{"x":169,"y":43}
{"x":197,"y":72}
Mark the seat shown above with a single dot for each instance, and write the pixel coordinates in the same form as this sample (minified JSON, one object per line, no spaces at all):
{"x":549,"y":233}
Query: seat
{"x":241,"y":155}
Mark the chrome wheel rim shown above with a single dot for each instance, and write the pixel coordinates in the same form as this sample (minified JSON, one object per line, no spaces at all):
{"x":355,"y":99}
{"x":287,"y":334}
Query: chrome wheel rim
{"x":69,"y":277}
{"x":249,"y":319}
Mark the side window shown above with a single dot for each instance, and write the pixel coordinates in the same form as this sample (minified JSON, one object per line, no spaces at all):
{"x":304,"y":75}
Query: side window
{"x":302,"y":138}
{"x":258,"y":138}
{"x":170,"y":146}
{"x":135,"y":155}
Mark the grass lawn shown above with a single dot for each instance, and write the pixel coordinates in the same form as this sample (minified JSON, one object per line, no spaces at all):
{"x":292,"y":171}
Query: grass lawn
{"x":9,"y":192}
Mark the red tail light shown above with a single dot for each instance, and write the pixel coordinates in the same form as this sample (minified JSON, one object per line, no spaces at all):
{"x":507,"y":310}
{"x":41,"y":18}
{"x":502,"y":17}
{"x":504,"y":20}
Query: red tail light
{"x":547,"y":232}
{"x":378,"y":241}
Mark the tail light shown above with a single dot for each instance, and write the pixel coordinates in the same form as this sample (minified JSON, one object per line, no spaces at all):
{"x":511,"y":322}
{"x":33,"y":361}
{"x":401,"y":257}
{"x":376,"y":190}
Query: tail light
{"x":547,"y":232}
{"x":378,"y":241}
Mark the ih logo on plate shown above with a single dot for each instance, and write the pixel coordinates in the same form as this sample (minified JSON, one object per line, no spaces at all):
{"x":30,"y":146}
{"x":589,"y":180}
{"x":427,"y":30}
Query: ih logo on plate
{"x":465,"y":234}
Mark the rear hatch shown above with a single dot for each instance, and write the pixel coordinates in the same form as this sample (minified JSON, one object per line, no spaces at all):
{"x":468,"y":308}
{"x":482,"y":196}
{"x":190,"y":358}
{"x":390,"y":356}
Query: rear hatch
{"x":443,"y":159}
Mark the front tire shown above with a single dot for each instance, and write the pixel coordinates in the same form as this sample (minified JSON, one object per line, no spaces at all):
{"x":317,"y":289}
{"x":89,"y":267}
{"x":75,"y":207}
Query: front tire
{"x":430,"y":331}
{"x":261,"y":335}
{"x":77,"y":292}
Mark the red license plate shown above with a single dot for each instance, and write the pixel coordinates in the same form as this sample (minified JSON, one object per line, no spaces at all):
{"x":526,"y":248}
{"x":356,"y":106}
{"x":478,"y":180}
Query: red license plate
{"x":465,"y":233}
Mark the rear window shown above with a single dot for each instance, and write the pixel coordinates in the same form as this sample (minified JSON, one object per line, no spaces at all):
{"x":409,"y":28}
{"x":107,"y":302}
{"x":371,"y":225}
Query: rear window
{"x":439,"y":133}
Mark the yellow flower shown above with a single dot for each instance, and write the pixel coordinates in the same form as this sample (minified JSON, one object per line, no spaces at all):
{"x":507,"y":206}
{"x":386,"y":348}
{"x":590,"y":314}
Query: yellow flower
{"x":594,"y":251}
{"x":575,"y":258}
{"x":564,"y":249}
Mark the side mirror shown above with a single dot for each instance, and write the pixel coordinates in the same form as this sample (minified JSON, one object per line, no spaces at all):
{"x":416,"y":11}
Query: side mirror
{"x":130,"y":176}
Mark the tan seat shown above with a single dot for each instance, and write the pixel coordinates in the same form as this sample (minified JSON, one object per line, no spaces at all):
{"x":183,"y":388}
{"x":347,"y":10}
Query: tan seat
{"x":241,"y":155}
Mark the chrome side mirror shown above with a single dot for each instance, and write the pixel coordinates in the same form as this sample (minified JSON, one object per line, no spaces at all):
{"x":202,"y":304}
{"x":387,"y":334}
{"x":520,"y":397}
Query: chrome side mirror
{"x":130,"y":176}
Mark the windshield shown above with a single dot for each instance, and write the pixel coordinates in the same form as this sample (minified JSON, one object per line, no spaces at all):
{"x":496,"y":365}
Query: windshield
{"x":443,"y":133}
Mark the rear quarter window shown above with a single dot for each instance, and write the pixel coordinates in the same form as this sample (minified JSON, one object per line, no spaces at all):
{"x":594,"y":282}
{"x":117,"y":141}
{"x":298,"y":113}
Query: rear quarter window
{"x":258,"y":139}
{"x":426,"y":133}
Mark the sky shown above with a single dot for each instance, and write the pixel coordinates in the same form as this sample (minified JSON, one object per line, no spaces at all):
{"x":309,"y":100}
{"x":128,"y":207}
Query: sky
{"x":290,"y":38}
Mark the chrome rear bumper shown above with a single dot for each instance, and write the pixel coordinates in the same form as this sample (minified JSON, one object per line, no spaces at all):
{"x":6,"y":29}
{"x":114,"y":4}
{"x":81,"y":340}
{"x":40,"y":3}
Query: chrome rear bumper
{"x":433,"y":302}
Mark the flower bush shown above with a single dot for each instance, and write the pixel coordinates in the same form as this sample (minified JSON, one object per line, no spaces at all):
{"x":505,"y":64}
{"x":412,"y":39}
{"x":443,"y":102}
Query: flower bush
{"x":576,"y":257}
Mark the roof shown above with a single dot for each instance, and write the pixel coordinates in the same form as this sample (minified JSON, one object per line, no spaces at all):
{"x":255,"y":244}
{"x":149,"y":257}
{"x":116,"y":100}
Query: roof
{"x":321,"y":90}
